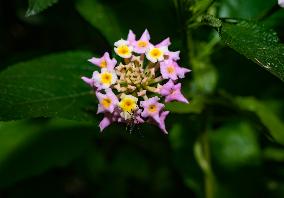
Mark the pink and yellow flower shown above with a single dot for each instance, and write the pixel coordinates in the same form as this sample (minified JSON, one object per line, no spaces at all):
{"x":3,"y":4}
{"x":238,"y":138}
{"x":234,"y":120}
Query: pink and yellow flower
{"x":171,"y":70}
{"x":139,"y":46}
{"x":104,"y":62}
{"x":107,"y":101}
{"x":172,"y":92}
{"x":130,"y":91}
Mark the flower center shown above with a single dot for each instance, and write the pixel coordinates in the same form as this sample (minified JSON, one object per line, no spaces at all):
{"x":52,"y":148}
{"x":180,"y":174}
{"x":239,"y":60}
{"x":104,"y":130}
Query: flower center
{"x":156,"y":53}
{"x":132,"y":77}
{"x":152,"y":108}
{"x":142,"y":43}
{"x":172,"y":91}
{"x":106,"y":102}
{"x":106,"y":78}
{"x":170,"y":69}
{"x":127,"y":104}
{"x":103,"y":64}
{"x":123,"y":50}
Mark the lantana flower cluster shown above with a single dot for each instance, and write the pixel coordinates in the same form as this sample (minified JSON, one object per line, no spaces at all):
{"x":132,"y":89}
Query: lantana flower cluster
{"x":135,"y":89}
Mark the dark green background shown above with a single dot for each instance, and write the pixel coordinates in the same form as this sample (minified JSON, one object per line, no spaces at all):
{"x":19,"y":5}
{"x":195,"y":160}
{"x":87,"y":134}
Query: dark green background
{"x":237,"y":109}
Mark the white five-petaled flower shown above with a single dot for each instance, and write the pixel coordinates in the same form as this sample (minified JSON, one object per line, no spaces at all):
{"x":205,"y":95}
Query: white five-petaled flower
{"x":104,"y":79}
{"x":123,"y":49}
{"x":155,"y":54}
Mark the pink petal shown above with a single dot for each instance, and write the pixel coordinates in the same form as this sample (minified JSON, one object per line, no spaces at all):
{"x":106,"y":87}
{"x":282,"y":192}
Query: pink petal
{"x":166,"y":88}
{"x":100,"y":109}
{"x":106,"y":121}
{"x":131,"y":37}
{"x":95,"y":61}
{"x":88,"y":81}
{"x":182,"y":71}
{"x":164,"y":43}
{"x":140,"y":50}
{"x":152,"y":101}
{"x":110,"y":62}
{"x":164,"y":69}
{"x":176,"y":96}
{"x":163,"y":116}
{"x":145,"y":36}
{"x":106,"y":56}
{"x":173,"y":55}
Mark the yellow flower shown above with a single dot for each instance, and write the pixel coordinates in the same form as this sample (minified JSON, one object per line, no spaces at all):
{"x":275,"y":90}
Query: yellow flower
{"x":123,"y":49}
{"x":105,"y":79}
{"x":128,"y":103}
{"x":155,"y":54}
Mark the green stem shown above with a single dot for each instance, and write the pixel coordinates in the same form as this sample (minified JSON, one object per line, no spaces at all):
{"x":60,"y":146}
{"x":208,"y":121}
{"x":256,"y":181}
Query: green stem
{"x":190,"y":46}
{"x":208,"y":175}
{"x":156,"y":80}
{"x":202,"y":155}
{"x":151,"y":89}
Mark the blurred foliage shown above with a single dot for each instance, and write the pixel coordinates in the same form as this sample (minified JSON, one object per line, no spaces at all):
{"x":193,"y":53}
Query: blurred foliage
{"x":46,"y":87}
{"x":39,"y":147}
{"x":227,"y":142}
{"x":266,"y":116}
{"x":235,"y":145}
{"x":182,"y":142}
{"x":243,"y":8}
{"x":97,"y":13}
{"x":36,"y":6}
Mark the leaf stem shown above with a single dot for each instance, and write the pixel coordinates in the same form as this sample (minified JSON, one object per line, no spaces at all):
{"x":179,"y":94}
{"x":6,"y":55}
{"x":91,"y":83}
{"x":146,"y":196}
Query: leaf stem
{"x":208,"y":175}
{"x":202,"y":155}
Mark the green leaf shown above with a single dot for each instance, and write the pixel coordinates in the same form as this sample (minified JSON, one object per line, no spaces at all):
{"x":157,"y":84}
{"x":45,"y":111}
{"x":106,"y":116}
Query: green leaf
{"x":102,"y":17}
{"x":266,"y":115}
{"x":257,"y":44}
{"x":244,"y":8}
{"x":182,"y":137}
{"x":274,"y":154}
{"x":194,"y":106}
{"x":28,"y":149}
{"x":275,"y":20}
{"x":200,"y":6}
{"x":46,"y":87}
{"x":114,"y":18}
{"x":235,"y":145}
{"x":37,"y":6}
{"x":236,"y":159}
{"x":205,"y":76}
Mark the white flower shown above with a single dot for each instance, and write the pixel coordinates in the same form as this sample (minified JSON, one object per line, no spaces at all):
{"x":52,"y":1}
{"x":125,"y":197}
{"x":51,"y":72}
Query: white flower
{"x":104,"y":79}
{"x":155,"y":54}
{"x":123,"y":49}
